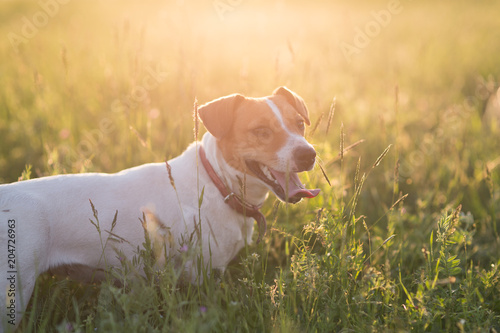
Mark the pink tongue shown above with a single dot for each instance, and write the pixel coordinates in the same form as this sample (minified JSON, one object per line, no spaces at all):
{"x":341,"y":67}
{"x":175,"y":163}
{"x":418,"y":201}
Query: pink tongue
{"x":294,"y":186}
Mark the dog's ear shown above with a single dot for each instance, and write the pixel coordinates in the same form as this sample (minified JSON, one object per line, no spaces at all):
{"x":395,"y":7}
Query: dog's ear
{"x":295,"y":100}
{"x":218,"y":115}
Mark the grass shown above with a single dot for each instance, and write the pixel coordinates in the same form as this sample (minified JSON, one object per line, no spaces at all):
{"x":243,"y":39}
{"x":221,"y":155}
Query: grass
{"x":401,"y":239}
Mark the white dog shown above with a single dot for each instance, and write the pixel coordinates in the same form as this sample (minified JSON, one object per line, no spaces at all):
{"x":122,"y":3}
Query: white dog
{"x":253,"y":145}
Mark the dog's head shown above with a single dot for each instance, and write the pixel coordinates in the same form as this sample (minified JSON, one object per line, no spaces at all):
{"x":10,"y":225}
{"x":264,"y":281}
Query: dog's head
{"x":264,"y":137}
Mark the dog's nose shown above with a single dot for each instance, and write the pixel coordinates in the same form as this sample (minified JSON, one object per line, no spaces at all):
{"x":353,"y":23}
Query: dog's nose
{"x":304,"y":158}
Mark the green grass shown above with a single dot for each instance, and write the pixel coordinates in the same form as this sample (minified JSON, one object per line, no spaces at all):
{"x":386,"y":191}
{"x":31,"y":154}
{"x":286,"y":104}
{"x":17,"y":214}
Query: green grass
{"x":352,"y":259}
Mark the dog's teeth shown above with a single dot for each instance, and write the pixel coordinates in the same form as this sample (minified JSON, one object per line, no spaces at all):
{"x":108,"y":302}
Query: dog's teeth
{"x":266,"y":172}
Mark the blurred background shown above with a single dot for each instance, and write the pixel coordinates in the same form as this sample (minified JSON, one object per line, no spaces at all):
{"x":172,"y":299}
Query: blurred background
{"x":410,"y":86}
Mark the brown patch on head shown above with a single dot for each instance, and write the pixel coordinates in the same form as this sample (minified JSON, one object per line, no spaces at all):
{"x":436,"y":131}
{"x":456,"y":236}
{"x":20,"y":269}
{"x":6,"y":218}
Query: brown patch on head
{"x":294,"y":100}
{"x":256,"y":134}
{"x":294,"y":121}
{"x":247,"y":128}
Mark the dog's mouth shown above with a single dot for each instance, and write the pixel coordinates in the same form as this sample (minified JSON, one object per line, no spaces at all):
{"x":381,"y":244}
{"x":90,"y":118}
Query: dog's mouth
{"x":286,"y":185}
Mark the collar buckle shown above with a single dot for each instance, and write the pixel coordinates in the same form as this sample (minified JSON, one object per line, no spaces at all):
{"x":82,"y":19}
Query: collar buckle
{"x":228,"y":197}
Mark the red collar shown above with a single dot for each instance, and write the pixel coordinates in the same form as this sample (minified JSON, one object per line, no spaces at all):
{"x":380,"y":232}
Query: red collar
{"x":234,"y":201}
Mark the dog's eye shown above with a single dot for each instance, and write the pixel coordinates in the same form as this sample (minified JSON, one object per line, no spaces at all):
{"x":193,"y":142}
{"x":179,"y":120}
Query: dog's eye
{"x":301,"y":125}
{"x":263,"y":133}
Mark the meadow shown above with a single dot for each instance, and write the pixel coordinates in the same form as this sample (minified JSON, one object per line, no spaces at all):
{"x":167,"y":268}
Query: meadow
{"x":404,"y":236}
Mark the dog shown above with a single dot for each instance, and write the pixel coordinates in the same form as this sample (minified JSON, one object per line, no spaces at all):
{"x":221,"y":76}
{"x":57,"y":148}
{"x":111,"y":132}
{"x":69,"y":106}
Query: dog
{"x":212,"y":192}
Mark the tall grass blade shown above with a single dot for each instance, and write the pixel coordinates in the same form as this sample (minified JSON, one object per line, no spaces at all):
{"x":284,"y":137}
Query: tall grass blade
{"x":196,"y":119}
{"x":345,"y":151}
{"x":138,"y":136}
{"x":398,"y":201}
{"x":316,"y":124}
{"x":381,"y":157}
{"x":324,"y":174}
{"x":330,"y":114}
